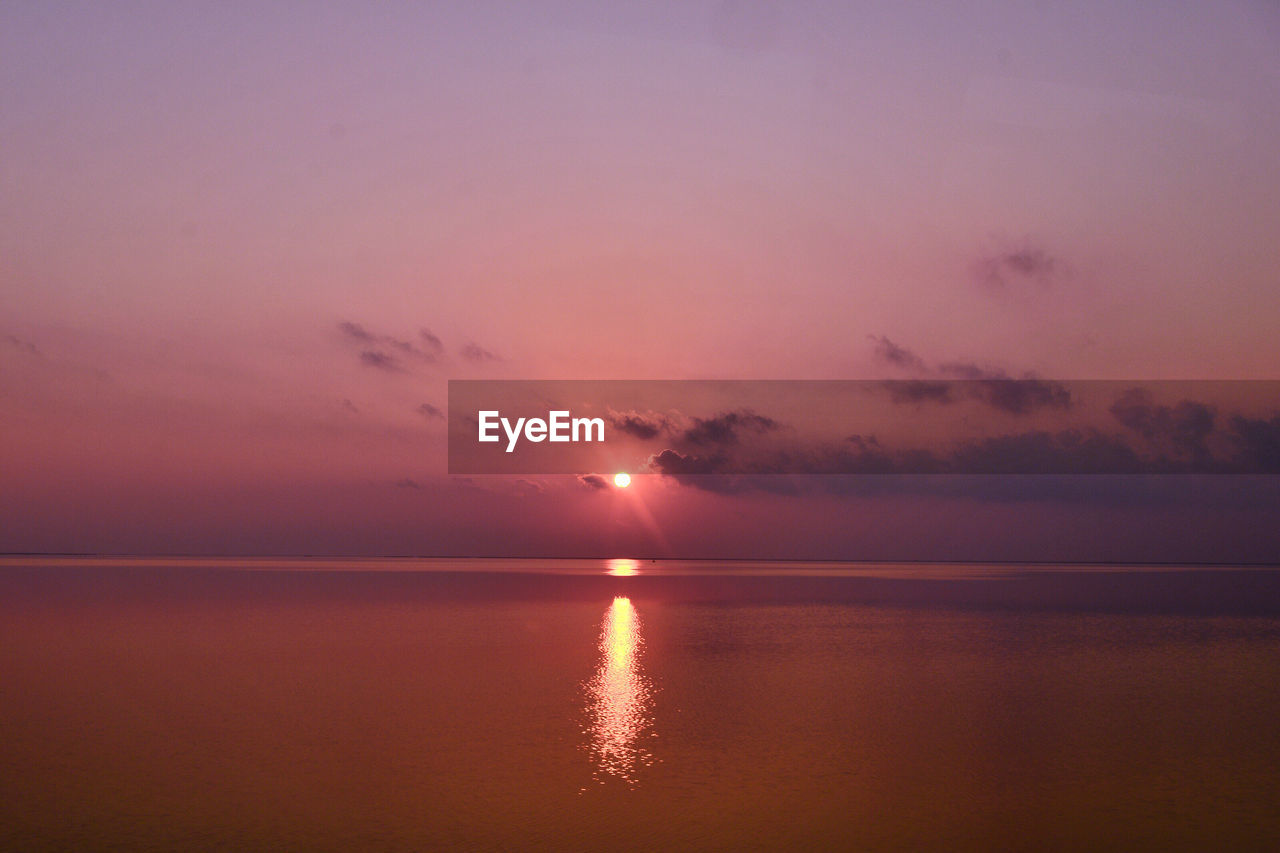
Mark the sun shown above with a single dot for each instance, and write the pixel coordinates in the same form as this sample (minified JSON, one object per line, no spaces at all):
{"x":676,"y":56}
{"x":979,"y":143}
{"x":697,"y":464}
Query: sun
{"x":622,"y":479}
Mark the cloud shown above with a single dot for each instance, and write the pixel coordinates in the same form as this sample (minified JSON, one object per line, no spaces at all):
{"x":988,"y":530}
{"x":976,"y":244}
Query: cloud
{"x":593,"y":481}
{"x":897,"y":356}
{"x":475,"y":353}
{"x":638,"y":425}
{"x":22,"y":345}
{"x":992,"y":386}
{"x":1015,"y":265}
{"x":433,"y":344}
{"x":1033,"y":464}
{"x":726,"y":427}
{"x":1040,"y":452}
{"x":1182,"y":430}
{"x":356,"y":332}
{"x":380,"y":360}
{"x":1020,"y":396}
{"x":429,"y":411}
{"x":706,"y":473}
{"x":840,"y":468}
{"x":919,"y":391}
{"x":674,"y":463}
{"x":864,"y":443}
{"x":1257,"y":443}
{"x":408,"y":483}
{"x":382,"y":346}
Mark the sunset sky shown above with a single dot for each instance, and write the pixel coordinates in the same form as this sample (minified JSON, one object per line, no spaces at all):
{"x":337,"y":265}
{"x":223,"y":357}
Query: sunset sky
{"x":243,"y":248}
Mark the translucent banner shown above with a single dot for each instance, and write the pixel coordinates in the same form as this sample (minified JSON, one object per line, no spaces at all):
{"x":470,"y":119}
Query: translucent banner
{"x":945,"y":426}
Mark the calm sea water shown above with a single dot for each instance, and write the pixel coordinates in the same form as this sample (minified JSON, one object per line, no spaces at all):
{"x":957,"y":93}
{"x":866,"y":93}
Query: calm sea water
{"x":623,"y":705}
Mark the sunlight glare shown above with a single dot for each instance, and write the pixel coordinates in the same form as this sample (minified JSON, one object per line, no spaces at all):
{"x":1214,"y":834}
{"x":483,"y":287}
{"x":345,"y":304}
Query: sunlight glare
{"x":619,"y":697}
{"x":620,"y":568}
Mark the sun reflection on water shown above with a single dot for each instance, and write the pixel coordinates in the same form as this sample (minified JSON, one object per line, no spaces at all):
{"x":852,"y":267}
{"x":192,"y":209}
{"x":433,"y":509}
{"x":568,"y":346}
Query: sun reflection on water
{"x":623,"y":568}
{"x":619,"y":698}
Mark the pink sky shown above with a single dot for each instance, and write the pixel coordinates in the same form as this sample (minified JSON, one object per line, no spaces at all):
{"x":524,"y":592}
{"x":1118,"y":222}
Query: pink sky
{"x":194,"y":197}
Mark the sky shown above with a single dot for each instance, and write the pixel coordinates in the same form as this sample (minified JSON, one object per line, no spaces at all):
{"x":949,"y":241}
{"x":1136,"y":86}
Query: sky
{"x":243,"y":250}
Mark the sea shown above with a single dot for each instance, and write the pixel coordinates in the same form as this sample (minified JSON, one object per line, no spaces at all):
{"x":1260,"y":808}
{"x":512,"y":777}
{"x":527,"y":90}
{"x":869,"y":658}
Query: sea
{"x":629,"y":704}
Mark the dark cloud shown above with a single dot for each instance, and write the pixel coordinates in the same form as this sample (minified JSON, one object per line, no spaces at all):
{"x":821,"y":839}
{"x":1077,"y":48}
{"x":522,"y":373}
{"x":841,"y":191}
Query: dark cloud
{"x":860,"y":455}
{"x":1016,"y":265}
{"x":1072,"y":451}
{"x":1073,"y":465}
{"x":890,"y":353}
{"x":991,"y":386}
{"x":429,"y":411}
{"x":382,"y":345}
{"x":1030,"y":262}
{"x":1181,"y":431}
{"x":727,"y":427}
{"x":1213,"y":492}
{"x":705,"y":473}
{"x":674,"y":463}
{"x":1040,"y":452}
{"x":433,"y":345}
{"x":863,"y":454}
{"x":1020,"y":396}
{"x":350,"y":406}
{"x":380,"y":360}
{"x":637,"y":425}
{"x":22,"y":345}
{"x":408,"y":483}
{"x":476,"y":353}
{"x":1257,"y":443}
{"x":920,"y":391}
{"x":988,"y":385}
{"x":356,"y":332}
{"x":864,"y":443}
{"x":593,"y":481}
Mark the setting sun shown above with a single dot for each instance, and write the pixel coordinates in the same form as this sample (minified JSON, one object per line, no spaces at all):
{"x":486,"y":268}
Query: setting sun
{"x":622,"y":480}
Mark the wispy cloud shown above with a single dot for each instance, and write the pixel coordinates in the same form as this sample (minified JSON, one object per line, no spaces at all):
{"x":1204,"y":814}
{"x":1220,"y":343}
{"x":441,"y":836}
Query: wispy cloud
{"x":387,"y":351}
{"x":992,"y":386}
{"x":1015,"y":264}
{"x":920,"y":391}
{"x":431,"y":344}
{"x":392,"y":353}
{"x":1257,"y":442}
{"x":1181,"y":430}
{"x":1185,"y":438}
{"x":1020,"y":396}
{"x":380,"y":360}
{"x":892,"y":354}
{"x":475,"y":353}
{"x":22,"y":345}
{"x":727,"y":427}
{"x":642,"y":425}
